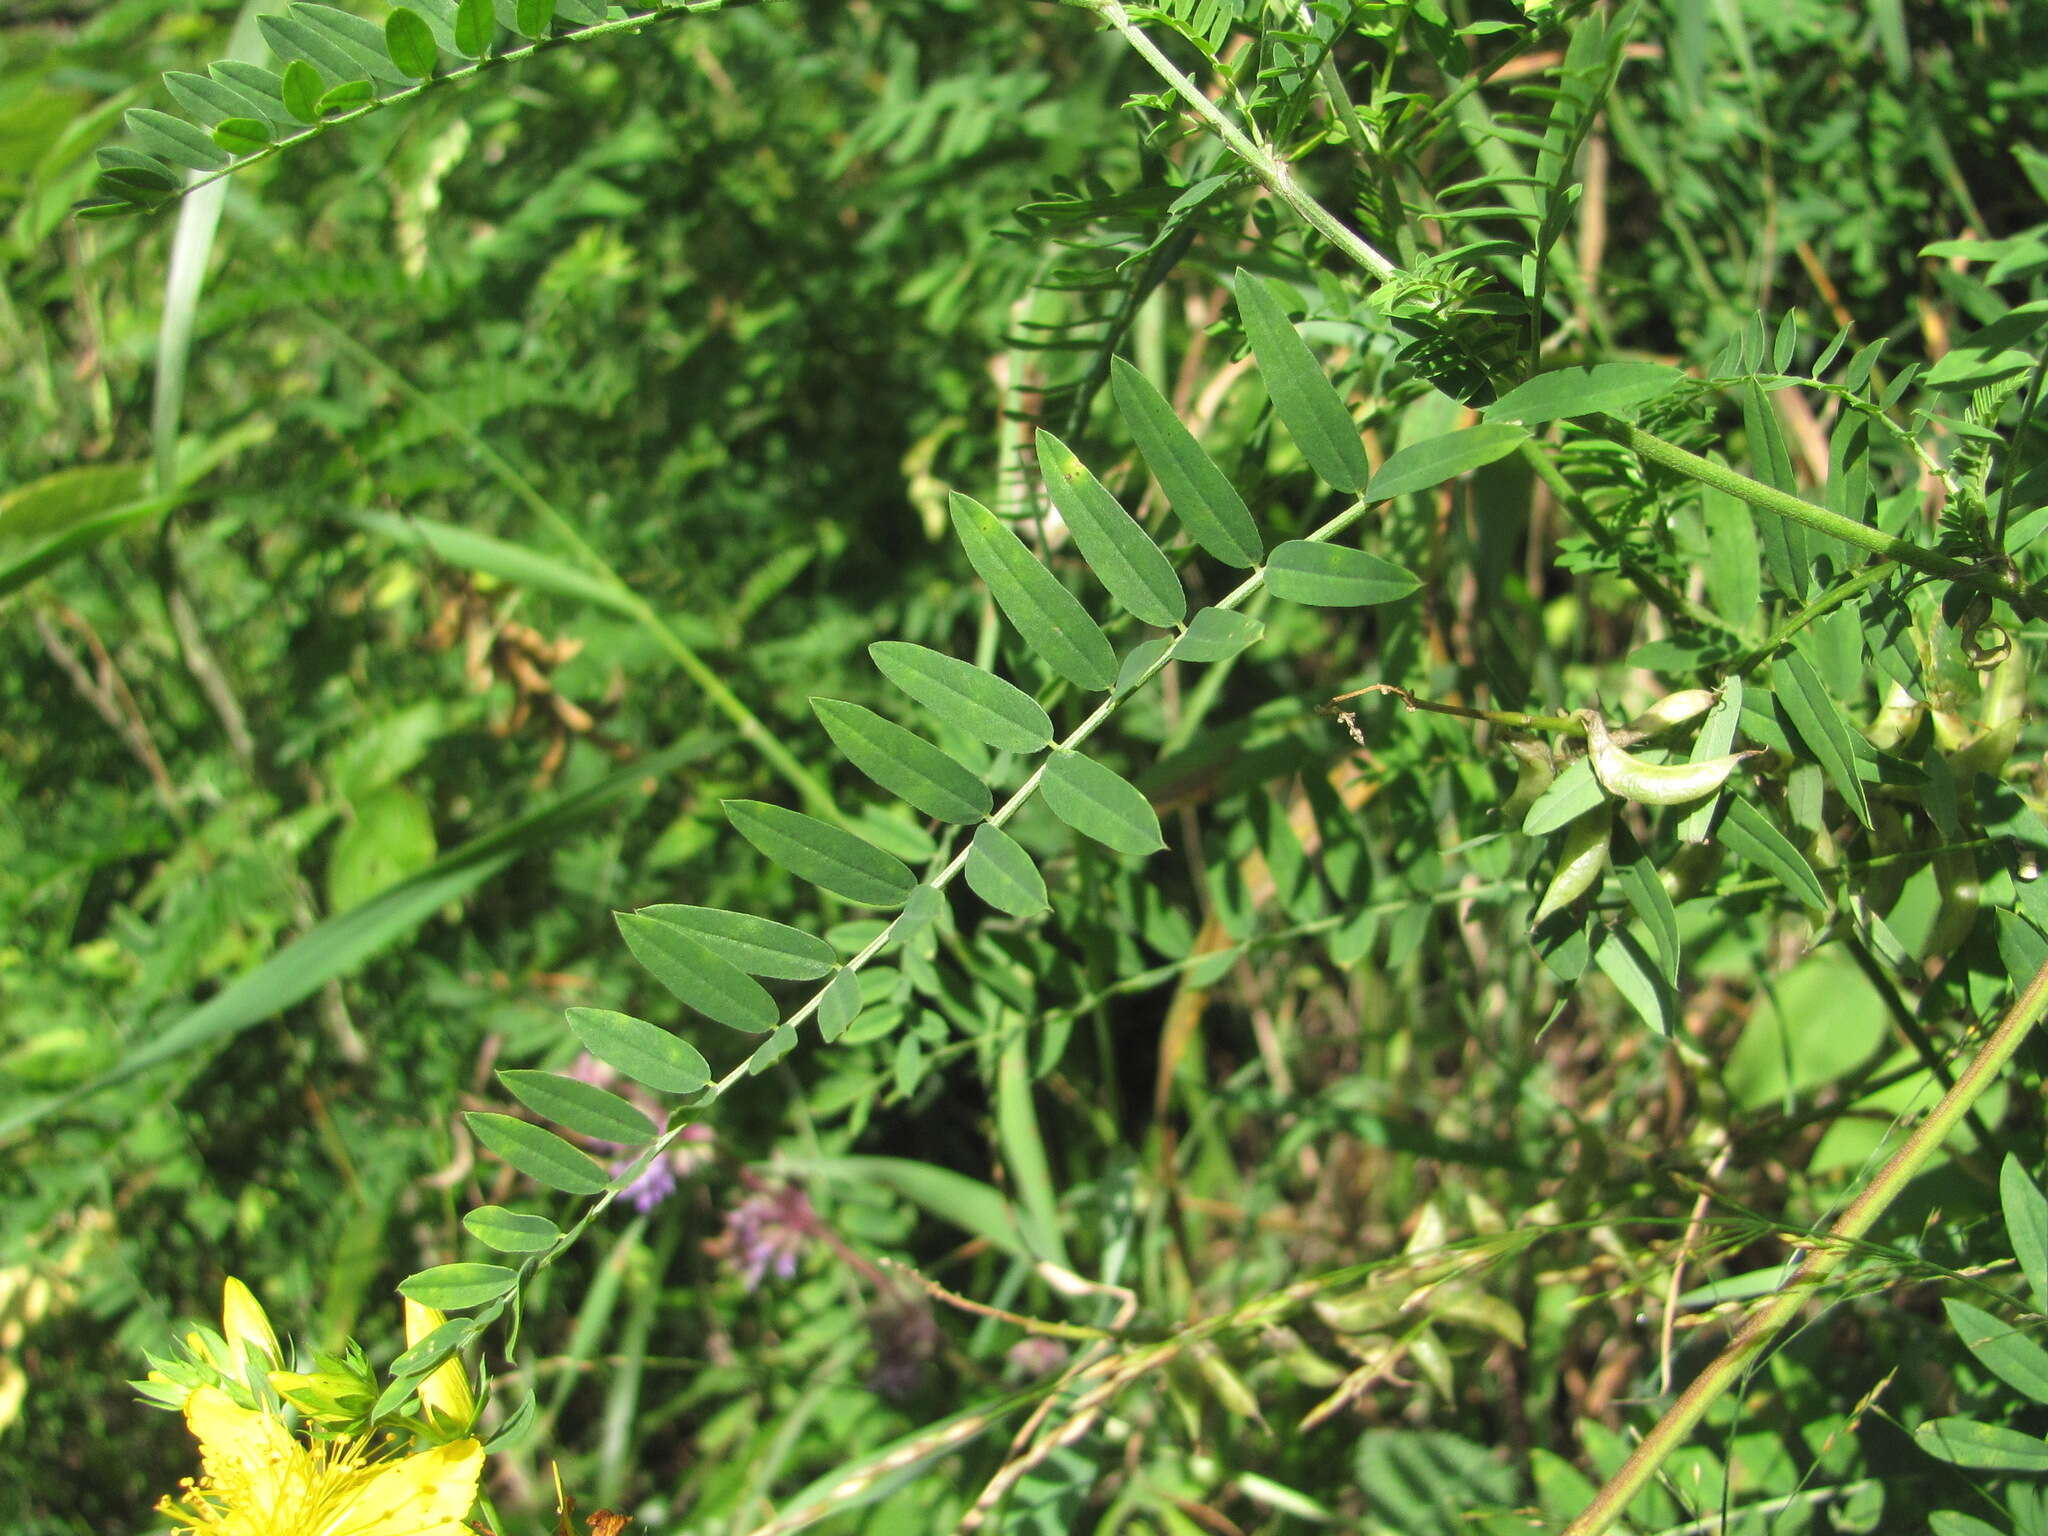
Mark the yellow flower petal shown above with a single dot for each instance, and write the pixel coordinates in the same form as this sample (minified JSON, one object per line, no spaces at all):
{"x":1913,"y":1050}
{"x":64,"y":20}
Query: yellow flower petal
{"x":247,"y":1327}
{"x":445,"y":1394}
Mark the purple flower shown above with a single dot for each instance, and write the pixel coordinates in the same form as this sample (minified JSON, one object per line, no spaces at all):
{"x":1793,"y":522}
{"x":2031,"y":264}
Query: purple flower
{"x":1036,"y":1357}
{"x":656,"y":1183}
{"x":768,"y":1230}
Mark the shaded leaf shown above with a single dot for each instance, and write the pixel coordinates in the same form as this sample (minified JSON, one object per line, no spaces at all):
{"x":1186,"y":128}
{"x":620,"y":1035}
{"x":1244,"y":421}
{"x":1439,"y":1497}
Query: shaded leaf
{"x":1617,"y":389}
{"x":1747,"y":833}
{"x":1100,"y":804}
{"x":506,"y":1231}
{"x":713,"y":986}
{"x":1821,"y":725}
{"x":1119,"y":552}
{"x":174,"y":139}
{"x":756,"y":945}
{"x":538,"y":1153}
{"x":839,"y":1006}
{"x":1217,"y":634}
{"x":577,"y":1106}
{"x":827,"y":856}
{"x":1048,"y":616}
{"x":1334,"y":576}
{"x":1303,"y":397}
{"x":1422,"y":465}
{"x":1201,"y":496}
{"x":965,"y":697}
{"x":1002,"y":874}
{"x":645,"y":1052}
{"x":1987,"y":1447}
{"x":904,"y":763}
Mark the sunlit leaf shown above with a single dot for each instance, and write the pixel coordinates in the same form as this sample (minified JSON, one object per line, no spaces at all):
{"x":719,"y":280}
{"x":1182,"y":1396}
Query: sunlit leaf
{"x":1101,"y":804}
{"x":965,"y":697}
{"x":1002,"y":874}
{"x":827,"y":856}
{"x":645,"y":1052}
{"x":1335,"y":576}
{"x":904,"y":763}
{"x":1303,"y":397}
{"x":1119,"y":552}
{"x":1201,"y":496}
{"x":577,"y":1106}
{"x":537,"y":1152}
{"x":713,"y":986}
{"x":1048,"y":616}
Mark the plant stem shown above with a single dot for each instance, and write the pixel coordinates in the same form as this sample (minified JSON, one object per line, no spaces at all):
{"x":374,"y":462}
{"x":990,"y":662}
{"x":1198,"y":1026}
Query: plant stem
{"x":1513,"y":719}
{"x":1773,"y":1314}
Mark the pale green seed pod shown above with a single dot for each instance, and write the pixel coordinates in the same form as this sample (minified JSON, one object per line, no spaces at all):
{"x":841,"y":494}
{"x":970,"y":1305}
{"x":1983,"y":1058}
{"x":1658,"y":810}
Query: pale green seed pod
{"x":1535,"y":770}
{"x":1673,"y":709}
{"x":1581,"y":862}
{"x":1899,"y":718}
{"x":1651,"y":783}
{"x":1962,"y":895}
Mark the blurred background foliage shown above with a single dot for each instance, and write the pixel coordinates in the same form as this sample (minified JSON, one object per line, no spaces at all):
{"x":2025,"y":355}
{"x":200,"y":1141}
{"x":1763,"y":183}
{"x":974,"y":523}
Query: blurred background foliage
{"x":737,"y":300}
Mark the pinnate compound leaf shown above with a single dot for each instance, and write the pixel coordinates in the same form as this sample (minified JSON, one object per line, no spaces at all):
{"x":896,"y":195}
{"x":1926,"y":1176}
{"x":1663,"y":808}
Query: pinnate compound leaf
{"x":757,"y":945}
{"x":904,"y":763}
{"x":1217,"y":634}
{"x":577,"y":1106}
{"x":1100,"y":804}
{"x":965,"y":697}
{"x":1201,"y":496}
{"x":645,"y":1052}
{"x":538,"y":1153}
{"x":829,"y":857}
{"x":1334,"y":576}
{"x":1987,"y":1447}
{"x":1002,"y":874}
{"x":1747,"y":833}
{"x":1615,"y":389}
{"x":838,"y":1005}
{"x":302,"y":88}
{"x":1119,"y":552}
{"x":1422,"y":465}
{"x":505,"y":1231}
{"x":1820,"y":723}
{"x":715,"y":987}
{"x":1048,"y":616}
{"x":1306,"y":402}
{"x":2004,"y":1350}
{"x":410,"y":42}
{"x":458,"y":1287}
{"x":173,"y":139}
{"x":1570,"y":795}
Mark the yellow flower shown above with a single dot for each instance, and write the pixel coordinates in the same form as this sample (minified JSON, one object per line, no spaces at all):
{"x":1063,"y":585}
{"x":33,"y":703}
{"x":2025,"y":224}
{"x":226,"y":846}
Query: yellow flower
{"x":444,"y":1395}
{"x":246,"y":1327}
{"x":259,"y":1480}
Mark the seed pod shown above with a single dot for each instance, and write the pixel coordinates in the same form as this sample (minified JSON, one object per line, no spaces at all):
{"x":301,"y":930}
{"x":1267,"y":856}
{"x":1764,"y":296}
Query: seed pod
{"x":1535,"y":770}
{"x":1672,"y":709}
{"x":1899,"y":718}
{"x":1651,"y":783}
{"x":1962,"y":894}
{"x":1580,"y":863}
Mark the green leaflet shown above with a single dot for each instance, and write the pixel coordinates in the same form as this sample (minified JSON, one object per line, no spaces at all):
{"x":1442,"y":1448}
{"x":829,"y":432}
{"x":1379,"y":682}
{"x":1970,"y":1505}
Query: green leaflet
{"x":456,"y":1287}
{"x":1100,"y":804}
{"x":1422,"y":465}
{"x":1303,"y":397}
{"x":475,"y":27}
{"x":506,"y":1231}
{"x":340,"y":46}
{"x":242,"y":135}
{"x":1615,"y":389}
{"x":1623,"y":962}
{"x":757,"y":945}
{"x":1987,"y":1447}
{"x":302,"y":87}
{"x":1651,"y":903}
{"x":1747,"y":834}
{"x":1119,"y":552}
{"x":1048,"y":616}
{"x":827,"y":856}
{"x":713,"y":986}
{"x":1819,"y":722}
{"x":1202,"y":497}
{"x":174,"y":139}
{"x":410,"y":43}
{"x":965,"y":697}
{"x":533,"y":18}
{"x":538,"y":1153}
{"x":213,"y":101}
{"x":1785,"y":543}
{"x":1333,"y":576}
{"x":1217,"y":634}
{"x":582,"y":1107}
{"x":645,"y":1052}
{"x":2026,"y":1226}
{"x":838,"y":1005}
{"x":904,"y":763}
{"x":2010,"y":1355}
{"x":1002,"y":874}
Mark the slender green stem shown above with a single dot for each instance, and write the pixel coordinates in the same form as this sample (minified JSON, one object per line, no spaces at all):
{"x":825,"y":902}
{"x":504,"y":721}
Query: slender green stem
{"x":1821,"y":1261}
{"x":1513,"y":719}
{"x":1841,"y":592}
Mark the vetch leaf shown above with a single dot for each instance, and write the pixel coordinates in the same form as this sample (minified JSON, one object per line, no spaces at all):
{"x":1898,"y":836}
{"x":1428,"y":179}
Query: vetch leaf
{"x":577,"y":1106}
{"x":1747,"y":833}
{"x":346,"y":97}
{"x":458,"y":1287}
{"x":1986,"y":1447}
{"x":1614,"y":389}
{"x":1138,"y":663}
{"x":2026,"y":1226}
{"x":1201,"y":496}
{"x":713,"y":986}
{"x":1002,"y":874}
{"x":410,"y":43}
{"x":535,"y":17}
{"x":475,"y":26}
{"x":645,"y":1052}
{"x":965,"y":697}
{"x":259,"y":92}
{"x":506,"y":1231}
{"x":209,"y":100}
{"x":756,"y":945}
{"x":1716,"y":739}
{"x":345,"y":47}
{"x":1784,"y":542}
{"x":1422,"y":465}
{"x":1820,"y":724}
{"x":173,"y":139}
{"x":1303,"y":397}
{"x":1333,"y":576}
{"x":242,"y":135}
{"x":302,"y":87}
{"x":1636,"y":979}
{"x":1119,"y":552}
{"x":1650,"y":901}
{"x":2004,"y":1350}
{"x":1048,"y":616}
{"x":827,"y":856}
{"x":538,"y":1153}
{"x":904,"y":763}
{"x":1570,"y":795}
{"x":1098,"y":803}
{"x":1217,"y":634}
{"x":839,"y":1005}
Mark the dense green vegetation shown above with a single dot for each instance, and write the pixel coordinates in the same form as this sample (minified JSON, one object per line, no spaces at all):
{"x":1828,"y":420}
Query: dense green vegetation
{"x":511,"y":523}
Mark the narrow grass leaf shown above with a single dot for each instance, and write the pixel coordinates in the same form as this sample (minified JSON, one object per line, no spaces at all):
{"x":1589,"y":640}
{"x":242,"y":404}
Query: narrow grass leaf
{"x":974,"y":1207}
{"x":1048,"y":616}
{"x":827,"y":856}
{"x":1819,"y":721}
{"x":1985,"y":1447}
{"x":458,"y":1287}
{"x":577,"y":1106}
{"x":1614,"y":389}
{"x":713,"y":986}
{"x":1119,"y":552}
{"x":173,"y":139}
{"x":1420,"y":466}
{"x":1200,"y":494}
{"x":1747,"y":833}
{"x":838,"y":1005}
{"x":410,"y":42}
{"x":1217,"y":634}
{"x":2026,"y":1226}
{"x":904,"y":763}
{"x":965,"y":697}
{"x":645,"y":1052}
{"x":757,"y":945}
{"x":504,"y":1231}
{"x":2004,"y":1350}
{"x":520,"y":564}
{"x":1307,"y":404}
{"x":1002,"y":874}
{"x":1333,"y":576}
{"x":1098,"y":803}
{"x":1023,"y":1148}
{"x":538,"y":1153}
